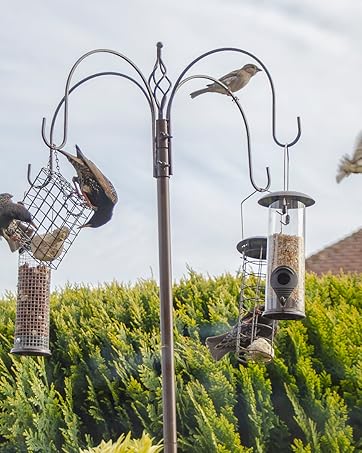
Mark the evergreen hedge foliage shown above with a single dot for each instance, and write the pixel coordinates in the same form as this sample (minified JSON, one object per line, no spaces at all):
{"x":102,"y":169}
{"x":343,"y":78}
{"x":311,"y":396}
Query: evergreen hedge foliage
{"x":103,"y":378}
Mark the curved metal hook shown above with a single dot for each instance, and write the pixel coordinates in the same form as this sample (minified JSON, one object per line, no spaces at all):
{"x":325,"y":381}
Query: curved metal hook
{"x":48,"y":178}
{"x":235,"y":99}
{"x":235,"y":49}
{"x":50,"y":143}
{"x":52,"y":148}
{"x":242,"y":213}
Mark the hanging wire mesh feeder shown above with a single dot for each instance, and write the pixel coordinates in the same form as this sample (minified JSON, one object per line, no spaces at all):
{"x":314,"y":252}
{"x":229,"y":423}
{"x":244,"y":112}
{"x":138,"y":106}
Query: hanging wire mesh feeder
{"x":286,"y":255}
{"x":252,"y":337}
{"x":254,"y":332}
{"x":58,"y":211}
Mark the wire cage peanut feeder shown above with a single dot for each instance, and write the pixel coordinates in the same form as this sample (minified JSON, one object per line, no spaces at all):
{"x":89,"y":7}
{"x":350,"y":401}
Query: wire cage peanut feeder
{"x":57,"y":211}
{"x":286,"y":255}
{"x":32,"y":308}
{"x":255,"y":333}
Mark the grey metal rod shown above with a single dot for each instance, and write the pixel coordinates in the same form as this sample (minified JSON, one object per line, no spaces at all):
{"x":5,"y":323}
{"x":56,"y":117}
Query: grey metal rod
{"x":166,"y":318}
{"x":162,"y":172}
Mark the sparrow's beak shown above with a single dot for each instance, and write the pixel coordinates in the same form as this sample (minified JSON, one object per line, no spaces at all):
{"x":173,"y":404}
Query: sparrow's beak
{"x":258,"y":69}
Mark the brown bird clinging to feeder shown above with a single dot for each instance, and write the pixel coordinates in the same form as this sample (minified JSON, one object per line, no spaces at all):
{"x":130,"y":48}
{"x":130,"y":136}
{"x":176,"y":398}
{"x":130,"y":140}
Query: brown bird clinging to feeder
{"x":10,"y":212}
{"x":97,"y":190}
{"x":235,"y":80}
{"x":351,"y":165}
{"x":220,"y":345}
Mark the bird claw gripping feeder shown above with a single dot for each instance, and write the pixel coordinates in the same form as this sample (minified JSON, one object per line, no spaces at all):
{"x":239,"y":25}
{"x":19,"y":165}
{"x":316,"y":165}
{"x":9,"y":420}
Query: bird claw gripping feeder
{"x":57,"y":211}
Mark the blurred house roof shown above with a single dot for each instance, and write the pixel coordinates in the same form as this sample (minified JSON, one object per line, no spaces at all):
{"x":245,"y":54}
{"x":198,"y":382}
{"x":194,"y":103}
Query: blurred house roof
{"x":344,"y":255}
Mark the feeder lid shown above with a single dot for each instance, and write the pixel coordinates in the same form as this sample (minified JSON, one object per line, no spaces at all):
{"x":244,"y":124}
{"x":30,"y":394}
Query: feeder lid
{"x":255,"y":247}
{"x":289,"y":196}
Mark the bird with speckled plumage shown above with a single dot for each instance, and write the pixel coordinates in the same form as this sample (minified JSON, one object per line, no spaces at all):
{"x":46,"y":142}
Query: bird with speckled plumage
{"x":97,"y":189}
{"x":220,"y":345}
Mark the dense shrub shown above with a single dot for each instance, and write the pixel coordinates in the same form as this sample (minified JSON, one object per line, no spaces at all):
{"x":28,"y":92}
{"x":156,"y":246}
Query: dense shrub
{"x":104,"y":376}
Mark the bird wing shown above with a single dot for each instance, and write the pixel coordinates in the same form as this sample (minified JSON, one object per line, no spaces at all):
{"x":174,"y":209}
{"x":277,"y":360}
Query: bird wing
{"x":230,"y":76}
{"x":357,"y":155}
{"x":15,"y":211}
{"x":102,"y":180}
{"x":232,"y":79}
{"x":226,"y":79}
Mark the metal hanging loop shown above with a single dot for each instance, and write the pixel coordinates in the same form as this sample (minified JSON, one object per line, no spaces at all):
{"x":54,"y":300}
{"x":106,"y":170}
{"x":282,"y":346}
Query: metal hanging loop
{"x":56,"y":112}
{"x":237,"y":103}
{"x":48,"y":179}
{"x":147,"y":90}
{"x":179,"y":81}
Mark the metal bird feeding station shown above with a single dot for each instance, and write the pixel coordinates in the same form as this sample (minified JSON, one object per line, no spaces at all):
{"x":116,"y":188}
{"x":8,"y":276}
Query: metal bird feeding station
{"x":255,"y":334}
{"x":286,"y":255}
{"x":57,"y":212}
{"x":160,"y":93}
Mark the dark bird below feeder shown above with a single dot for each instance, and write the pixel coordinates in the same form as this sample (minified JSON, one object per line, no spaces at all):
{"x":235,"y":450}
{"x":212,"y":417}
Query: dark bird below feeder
{"x":9,"y":212}
{"x":97,"y":189}
{"x":220,"y":345}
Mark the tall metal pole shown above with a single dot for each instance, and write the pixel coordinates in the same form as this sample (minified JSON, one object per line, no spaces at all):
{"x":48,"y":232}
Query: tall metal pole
{"x":166,"y":308}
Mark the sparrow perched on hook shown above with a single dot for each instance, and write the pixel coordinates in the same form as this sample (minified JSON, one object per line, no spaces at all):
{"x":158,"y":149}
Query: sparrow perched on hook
{"x":97,"y":190}
{"x":235,"y":80}
{"x":220,"y":345}
{"x":351,"y":165}
{"x":9,"y":212}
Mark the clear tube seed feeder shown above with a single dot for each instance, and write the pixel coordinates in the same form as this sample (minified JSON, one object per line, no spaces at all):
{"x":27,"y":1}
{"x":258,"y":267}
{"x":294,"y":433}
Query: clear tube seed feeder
{"x":284,"y":295}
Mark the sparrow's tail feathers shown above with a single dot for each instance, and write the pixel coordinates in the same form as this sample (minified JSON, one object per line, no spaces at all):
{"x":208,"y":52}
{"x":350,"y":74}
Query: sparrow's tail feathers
{"x":198,"y":92}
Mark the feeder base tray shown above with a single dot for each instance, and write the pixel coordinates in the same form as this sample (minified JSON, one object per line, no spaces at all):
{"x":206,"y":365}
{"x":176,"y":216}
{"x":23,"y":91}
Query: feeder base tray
{"x":31,"y":352}
{"x":272,"y":314}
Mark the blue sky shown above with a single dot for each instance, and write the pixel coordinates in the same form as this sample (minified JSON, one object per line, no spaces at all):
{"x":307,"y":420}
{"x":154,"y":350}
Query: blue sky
{"x":313,"y":52}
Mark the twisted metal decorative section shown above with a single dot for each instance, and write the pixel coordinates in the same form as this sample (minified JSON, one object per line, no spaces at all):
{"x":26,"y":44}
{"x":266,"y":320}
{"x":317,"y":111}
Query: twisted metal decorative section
{"x":159,"y":82}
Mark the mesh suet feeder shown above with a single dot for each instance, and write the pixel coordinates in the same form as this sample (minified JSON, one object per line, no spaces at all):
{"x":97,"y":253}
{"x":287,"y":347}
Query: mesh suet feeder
{"x":286,"y":254}
{"x":58,"y":211}
{"x":255,"y":333}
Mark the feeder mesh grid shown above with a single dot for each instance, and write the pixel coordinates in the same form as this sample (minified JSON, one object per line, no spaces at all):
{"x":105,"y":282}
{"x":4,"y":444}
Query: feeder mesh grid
{"x":57,"y":205}
{"x":252,"y":294}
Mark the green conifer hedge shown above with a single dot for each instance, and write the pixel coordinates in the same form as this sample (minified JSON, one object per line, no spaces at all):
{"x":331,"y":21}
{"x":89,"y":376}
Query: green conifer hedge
{"x":103,"y":378}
